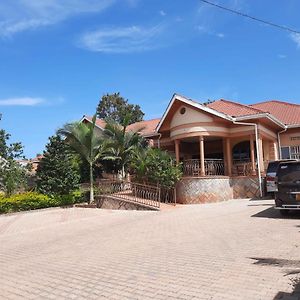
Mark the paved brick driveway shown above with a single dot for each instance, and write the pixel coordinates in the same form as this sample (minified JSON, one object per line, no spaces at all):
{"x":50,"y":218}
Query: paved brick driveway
{"x":201,"y":252}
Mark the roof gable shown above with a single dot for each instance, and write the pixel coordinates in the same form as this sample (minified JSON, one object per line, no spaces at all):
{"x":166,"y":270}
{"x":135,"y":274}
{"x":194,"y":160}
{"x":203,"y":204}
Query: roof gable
{"x":186,"y":115}
{"x":100,"y":123}
{"x":183,"y":100}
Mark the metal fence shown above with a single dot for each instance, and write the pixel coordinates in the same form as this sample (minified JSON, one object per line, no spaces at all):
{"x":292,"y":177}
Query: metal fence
{"x":139,"y":193}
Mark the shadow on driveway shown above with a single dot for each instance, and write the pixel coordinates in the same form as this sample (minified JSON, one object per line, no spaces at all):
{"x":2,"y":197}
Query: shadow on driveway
{"x":273,"y":213}
{"x":291,"y":267}
{"x":294,"y":295}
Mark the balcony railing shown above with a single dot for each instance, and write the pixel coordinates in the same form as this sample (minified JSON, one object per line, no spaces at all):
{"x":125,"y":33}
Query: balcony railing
{"x":241,"y":168}
{"x":213,"y":167}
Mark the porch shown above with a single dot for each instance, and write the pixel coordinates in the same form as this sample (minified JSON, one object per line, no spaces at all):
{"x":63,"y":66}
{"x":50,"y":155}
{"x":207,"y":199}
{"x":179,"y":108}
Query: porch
{"x":211,"y":156}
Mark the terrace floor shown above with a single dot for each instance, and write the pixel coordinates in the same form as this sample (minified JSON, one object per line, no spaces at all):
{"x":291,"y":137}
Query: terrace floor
{"x":237,"y":249}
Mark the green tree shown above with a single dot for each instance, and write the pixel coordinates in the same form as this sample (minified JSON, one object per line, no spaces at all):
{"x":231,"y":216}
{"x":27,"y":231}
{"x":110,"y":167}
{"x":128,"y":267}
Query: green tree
{"x":116,"y":108}
{"x":58,"y":170}
{"x":155,"y":166}
{"x":13,"y":175}
{"x":123,"y":143}
{"x":86,"y":141}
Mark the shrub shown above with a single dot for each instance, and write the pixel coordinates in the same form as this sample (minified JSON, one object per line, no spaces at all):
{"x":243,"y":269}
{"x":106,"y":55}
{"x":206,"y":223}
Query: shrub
{"x":33,"y":200}
{"x":155,"y":166}
{"x":24,"y":201}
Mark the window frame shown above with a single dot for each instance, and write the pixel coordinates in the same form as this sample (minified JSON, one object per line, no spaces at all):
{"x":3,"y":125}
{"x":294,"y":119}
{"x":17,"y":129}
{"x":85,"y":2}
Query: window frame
{"x":289,"y":152}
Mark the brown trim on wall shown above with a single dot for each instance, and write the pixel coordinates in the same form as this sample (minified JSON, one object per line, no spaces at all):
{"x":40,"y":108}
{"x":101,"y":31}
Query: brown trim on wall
{"x":267,"y":136}
{"x":188,"y":125}
{"x":199,"y":133}
{"x":242,"y":134}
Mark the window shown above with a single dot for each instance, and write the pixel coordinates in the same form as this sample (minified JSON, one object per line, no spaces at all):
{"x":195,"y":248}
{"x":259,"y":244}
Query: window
{"x":288,"y":172}
{"x":295,"y":152}
{"x":182,"y":110}
{"x":285,"y":153}
{"x":241,"y":151}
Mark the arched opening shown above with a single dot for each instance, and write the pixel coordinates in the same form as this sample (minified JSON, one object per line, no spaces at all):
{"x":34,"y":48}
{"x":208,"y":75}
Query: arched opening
{"x":241,"y":152}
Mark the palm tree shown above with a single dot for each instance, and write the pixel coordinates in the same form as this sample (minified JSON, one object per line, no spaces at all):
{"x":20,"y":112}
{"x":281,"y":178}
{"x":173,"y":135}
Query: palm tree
{"x":90,"y":145}
{"x":123,"y":142}
{"x":140,"y":163}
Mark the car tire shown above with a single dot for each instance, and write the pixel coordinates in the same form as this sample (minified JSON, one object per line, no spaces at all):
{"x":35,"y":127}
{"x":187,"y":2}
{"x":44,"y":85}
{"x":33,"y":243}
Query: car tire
{"x":284,"y":212}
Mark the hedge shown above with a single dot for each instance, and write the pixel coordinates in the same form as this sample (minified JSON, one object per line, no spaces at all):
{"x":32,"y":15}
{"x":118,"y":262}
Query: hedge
{"x":33,"y":200}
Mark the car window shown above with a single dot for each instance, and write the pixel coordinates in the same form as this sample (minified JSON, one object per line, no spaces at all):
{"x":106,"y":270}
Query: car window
{"x":272,"y":167}
{"x":288,"y":172}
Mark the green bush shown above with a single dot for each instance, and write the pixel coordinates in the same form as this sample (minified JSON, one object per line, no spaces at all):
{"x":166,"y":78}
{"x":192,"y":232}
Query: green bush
{"x":155,"y":166}
{"x":33,"y":200}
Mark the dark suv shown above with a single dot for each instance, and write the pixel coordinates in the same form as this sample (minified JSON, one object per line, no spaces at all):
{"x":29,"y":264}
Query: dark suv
{"x":288,"y":181}
{"x":272,"y":173}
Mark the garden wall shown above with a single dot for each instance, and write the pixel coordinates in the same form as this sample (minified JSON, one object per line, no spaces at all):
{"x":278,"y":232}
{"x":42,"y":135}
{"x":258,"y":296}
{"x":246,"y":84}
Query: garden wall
{"x":193,"y":190}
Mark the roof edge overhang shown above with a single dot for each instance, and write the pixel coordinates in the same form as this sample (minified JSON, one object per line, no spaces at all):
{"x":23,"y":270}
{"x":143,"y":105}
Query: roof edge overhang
{"x":87,"y":119}
{"x":194,"y":104}
{"x":262,"y":115}
{"x":148,"y":135}
{"x":292,"y":126}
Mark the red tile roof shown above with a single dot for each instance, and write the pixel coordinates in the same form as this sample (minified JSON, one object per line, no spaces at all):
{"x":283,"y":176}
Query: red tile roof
{"x":144,"y":127}
{"x":234,"y":109}
{"x":287,"y":113}
{"x":99,"y":122}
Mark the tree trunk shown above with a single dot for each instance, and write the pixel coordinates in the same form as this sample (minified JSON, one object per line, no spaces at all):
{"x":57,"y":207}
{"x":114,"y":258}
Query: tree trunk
{"x":123,"y":172}
{"x":91,"y":184}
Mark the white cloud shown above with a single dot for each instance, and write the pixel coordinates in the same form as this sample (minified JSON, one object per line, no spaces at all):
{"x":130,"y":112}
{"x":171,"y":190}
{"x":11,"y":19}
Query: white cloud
{"x":296,"y":38}
{"x":22,"y":101}
{"x":132,"y":3}
{"x":205,"y":30}
{"x":178,"y":19}
{"x":210,"y":18}
{"x":24,"y":15}
{"x":162,"y":13}
{"x":202,"y":29}
{"x":282,"y":56}
{"x":122,"y":40}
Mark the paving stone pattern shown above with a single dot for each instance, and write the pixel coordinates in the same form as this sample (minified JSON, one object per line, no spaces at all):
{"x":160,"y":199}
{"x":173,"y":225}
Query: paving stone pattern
{"x":237,"y":249}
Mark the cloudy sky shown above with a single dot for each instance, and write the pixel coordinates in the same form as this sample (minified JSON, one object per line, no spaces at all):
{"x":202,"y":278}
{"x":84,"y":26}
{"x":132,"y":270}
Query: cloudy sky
{"x":58,"y":57}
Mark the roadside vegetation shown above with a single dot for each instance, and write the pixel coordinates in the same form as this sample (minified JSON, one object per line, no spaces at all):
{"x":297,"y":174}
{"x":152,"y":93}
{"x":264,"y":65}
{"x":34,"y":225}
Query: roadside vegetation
{"x":78,"y":153}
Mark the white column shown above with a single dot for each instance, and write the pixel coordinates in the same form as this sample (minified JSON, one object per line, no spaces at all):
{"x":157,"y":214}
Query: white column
{"x":252,"y":154}
{"x":202,"y":164}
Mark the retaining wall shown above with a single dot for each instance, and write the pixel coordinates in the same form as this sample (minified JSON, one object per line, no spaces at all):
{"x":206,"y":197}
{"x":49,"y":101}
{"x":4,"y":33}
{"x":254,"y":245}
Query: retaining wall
{"x":195,"y":190}
{"x":110,"y":202}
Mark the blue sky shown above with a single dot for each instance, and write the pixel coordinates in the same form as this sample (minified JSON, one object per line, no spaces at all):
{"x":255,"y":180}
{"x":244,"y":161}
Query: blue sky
{"x":58,"y":57}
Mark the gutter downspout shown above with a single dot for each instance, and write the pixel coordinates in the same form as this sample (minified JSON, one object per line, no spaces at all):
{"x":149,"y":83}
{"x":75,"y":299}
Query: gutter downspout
{"x":279,"y":143}
{"x":257,"y":151}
